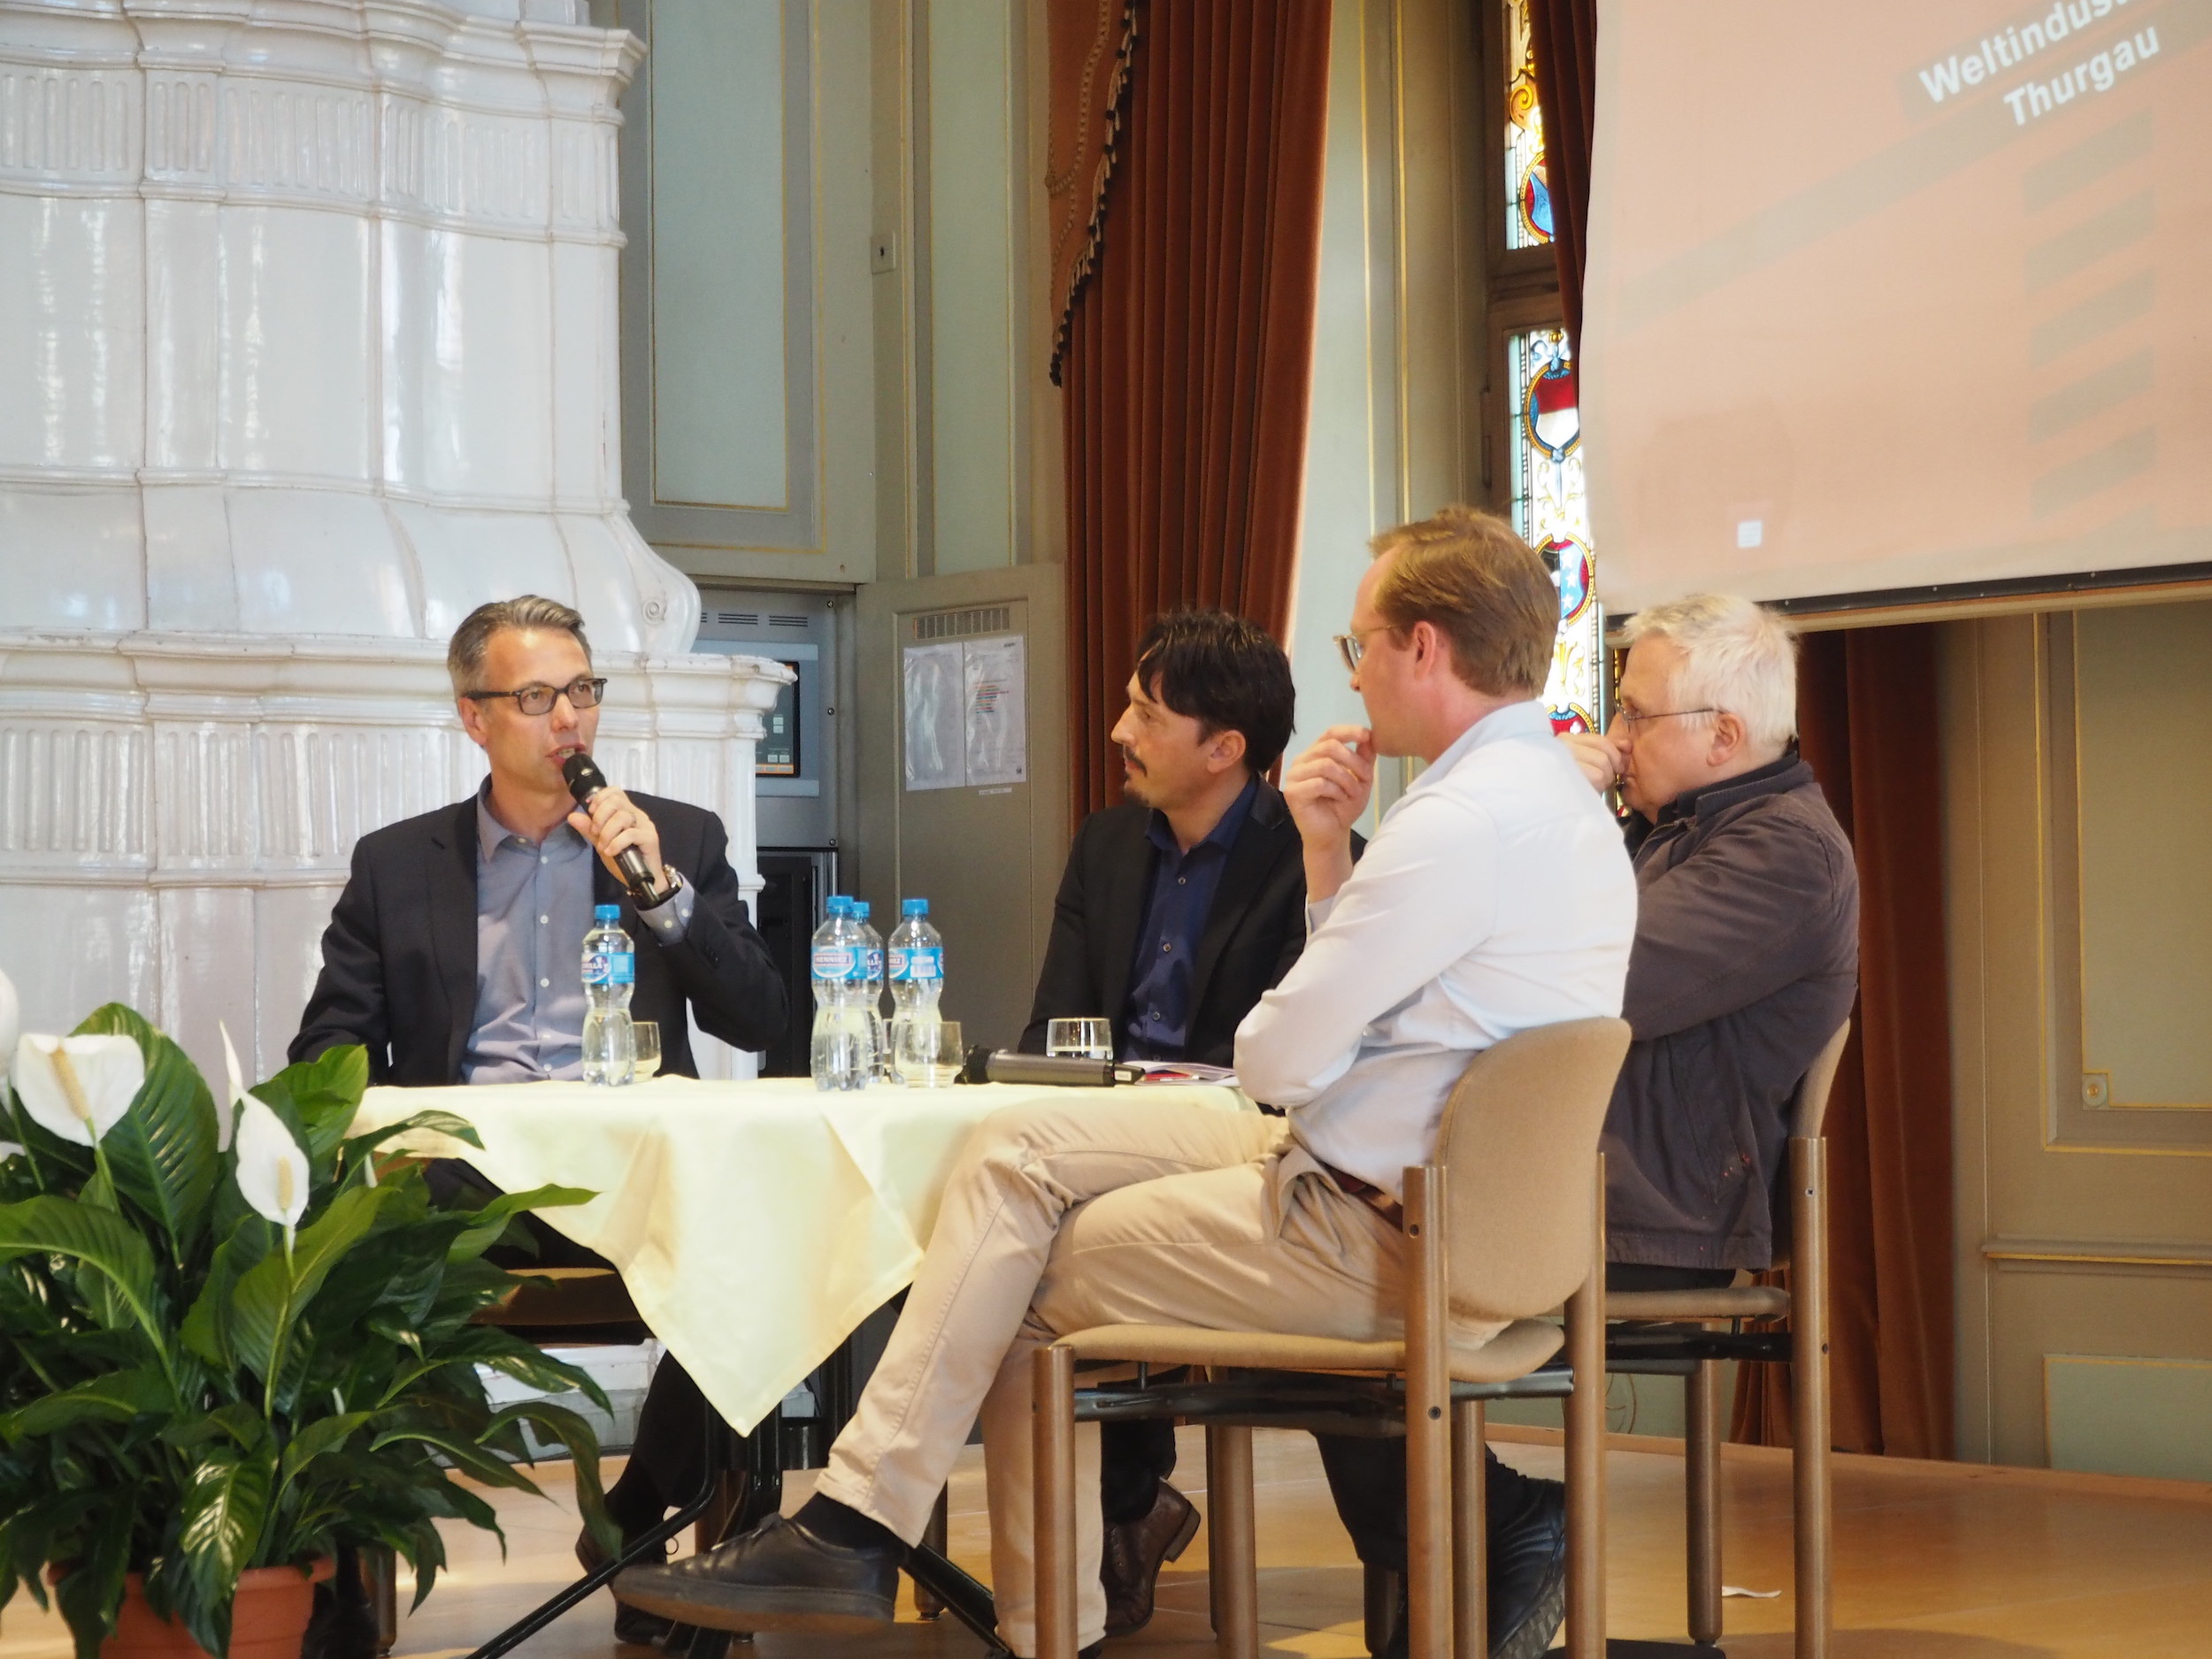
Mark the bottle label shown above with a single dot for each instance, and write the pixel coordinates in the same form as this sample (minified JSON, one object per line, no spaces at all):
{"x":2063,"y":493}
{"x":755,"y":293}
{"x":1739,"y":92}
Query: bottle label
{"x":916,"y":964}
{"x":873,"y":967}
{"x":622,"y":967}
{"x":833,"y":962}
{"x":597,"y":967}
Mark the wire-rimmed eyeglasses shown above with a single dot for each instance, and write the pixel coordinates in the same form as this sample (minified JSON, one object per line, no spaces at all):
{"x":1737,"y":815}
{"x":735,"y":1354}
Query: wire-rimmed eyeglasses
{"x":1352,"y":647}
{"x":583,"y":693}
{"x":1635,"y":717}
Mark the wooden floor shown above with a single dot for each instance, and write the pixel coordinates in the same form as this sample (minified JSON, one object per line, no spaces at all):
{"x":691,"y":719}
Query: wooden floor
{"x":1935,"y":1561}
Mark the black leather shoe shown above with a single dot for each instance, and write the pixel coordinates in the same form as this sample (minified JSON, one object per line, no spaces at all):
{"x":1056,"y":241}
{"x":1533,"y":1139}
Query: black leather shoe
{"x":1525,"y":1569}
{"x":1129,"y":1566}
{"x":633,"y":1626}
{"x":1527,"y":1563}
{"x":776,"y":1577}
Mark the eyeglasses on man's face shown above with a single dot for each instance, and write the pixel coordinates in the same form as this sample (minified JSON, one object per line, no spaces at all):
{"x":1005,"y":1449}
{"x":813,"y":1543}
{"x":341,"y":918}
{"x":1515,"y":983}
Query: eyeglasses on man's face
{"x":1634,"y":718}
{"x":581,"y":694}
{"x":1353,"y":646}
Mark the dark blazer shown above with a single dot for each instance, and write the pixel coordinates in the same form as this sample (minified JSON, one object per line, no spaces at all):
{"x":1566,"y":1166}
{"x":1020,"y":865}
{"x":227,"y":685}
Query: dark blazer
{"x":1253,"y":932}
{"x":399,"y":957}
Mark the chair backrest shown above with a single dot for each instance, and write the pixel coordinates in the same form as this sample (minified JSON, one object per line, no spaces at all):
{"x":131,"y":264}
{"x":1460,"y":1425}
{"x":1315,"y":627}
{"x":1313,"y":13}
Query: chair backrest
{"x":1520,"y":1139}
{"x":1810,"y":1105}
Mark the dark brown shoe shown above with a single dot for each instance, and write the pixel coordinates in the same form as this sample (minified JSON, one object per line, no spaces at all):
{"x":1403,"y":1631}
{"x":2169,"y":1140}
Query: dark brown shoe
{"x":1129,"y":1566}
{"x":633,"y":1626}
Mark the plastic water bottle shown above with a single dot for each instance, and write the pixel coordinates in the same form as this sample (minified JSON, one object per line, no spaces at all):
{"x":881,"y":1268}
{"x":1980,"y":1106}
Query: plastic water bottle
{"x":918,"y":980}
{"x":870,"y":990}
{"x":840,"y":1057}
{"x":610,"y":974}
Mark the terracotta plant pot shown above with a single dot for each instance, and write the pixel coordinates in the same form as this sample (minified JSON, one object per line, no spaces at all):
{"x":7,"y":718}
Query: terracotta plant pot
{"x":267,"y":1621}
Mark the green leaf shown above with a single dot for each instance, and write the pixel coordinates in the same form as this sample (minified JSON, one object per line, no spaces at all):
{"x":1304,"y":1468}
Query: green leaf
{"x":271,"y":1294}
{"x":98,"y":1238}
{"x":118,"y":1397}
{"x":492,"y":1219}
{"x":321,"y":1097}
{"x":575,"y":1432}
{"x":93,"y":1590}
{"x":431,"y":1122}
{"x":316,"y":1440}
{"x":206,"y":1329}
{"x":225,"y":1509}
{"x":163,"y":1151}
{"x":465,"y":1454}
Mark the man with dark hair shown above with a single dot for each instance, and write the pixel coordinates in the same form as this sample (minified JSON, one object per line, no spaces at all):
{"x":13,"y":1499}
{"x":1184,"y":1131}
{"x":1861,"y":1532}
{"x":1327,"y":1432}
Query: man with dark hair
{"x":452,"y":955}
{"x":1180,"y":907}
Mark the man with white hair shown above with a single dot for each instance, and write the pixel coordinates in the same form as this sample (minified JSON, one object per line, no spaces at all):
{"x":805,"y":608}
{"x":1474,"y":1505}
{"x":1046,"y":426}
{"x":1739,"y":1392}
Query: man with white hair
{"x":1747,"y":954}
{"x":1746,"y":960}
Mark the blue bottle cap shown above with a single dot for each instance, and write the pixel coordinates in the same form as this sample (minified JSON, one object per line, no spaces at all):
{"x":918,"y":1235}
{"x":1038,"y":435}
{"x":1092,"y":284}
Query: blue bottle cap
{"x":839,"y":904}
{"x":860,"y":909}
{"x":606,"y":912}
{"x":913,"y":907}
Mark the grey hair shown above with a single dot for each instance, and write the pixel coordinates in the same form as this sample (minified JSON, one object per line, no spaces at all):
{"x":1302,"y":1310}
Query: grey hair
{"x":464,"y":657}
{"x":1737,"y":656}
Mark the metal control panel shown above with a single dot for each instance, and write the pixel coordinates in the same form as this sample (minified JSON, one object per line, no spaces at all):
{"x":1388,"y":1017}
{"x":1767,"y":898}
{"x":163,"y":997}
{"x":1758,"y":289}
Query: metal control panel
{"x":795,"y":765}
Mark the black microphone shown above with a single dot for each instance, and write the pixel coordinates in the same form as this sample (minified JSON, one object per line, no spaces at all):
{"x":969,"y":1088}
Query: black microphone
{"x":585,"y":781}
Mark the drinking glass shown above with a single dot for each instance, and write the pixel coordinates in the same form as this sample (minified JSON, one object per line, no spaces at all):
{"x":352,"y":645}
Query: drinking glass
{"x":648,"y":1048}
{"x":929,"y":1052}
{"x":1085,"y":1039}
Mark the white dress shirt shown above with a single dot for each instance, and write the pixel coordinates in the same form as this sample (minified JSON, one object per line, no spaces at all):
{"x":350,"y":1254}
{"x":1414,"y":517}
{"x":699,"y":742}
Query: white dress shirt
{"x":1496,"y":896}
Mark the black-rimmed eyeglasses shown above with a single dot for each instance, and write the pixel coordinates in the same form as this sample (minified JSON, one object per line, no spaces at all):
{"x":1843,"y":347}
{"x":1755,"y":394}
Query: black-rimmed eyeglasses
{"x":581,"y":694}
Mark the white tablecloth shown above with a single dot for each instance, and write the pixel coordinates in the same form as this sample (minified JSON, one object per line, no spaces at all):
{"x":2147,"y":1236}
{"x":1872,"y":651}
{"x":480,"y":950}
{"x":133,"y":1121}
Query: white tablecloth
{"x":755,"y":1223}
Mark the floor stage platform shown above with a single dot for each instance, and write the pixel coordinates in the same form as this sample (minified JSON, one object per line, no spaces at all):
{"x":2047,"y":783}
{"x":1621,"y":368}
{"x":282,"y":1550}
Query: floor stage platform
{"x":1936,"y":1560}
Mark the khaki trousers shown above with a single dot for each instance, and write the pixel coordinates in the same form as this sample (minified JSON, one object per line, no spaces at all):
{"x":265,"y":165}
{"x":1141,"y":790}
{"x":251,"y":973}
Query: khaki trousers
{"x":1058,"y":1218}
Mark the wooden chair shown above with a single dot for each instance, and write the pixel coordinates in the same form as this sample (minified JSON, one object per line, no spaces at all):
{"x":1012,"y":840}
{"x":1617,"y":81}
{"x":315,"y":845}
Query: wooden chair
{"x":1505,"y":1224}
{"x":1671,"y":1338}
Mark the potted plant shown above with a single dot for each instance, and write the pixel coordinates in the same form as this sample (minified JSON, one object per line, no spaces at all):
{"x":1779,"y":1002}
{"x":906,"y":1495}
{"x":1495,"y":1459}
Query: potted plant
{"x":238,"y":1338}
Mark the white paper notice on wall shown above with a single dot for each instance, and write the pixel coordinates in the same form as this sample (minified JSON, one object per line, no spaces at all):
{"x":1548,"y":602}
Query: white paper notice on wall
{"x":998,"y":684}
{"x":967,"y":713}
{"x":936,"y":690}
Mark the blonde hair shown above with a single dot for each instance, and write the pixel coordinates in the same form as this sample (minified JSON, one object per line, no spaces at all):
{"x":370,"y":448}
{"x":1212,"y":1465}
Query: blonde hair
{"x":1738,"y":659}
{"x":1470,"y":577}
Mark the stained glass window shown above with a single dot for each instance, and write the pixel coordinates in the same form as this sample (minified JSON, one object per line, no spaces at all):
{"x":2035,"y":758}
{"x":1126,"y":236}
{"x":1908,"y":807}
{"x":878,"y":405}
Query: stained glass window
{"x":1528,"y":222}
{"x":1553,"y":514}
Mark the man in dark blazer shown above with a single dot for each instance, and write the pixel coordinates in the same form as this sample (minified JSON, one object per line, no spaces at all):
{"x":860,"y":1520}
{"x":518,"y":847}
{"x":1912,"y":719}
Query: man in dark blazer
{"x":453,"y":953}
{"x":1177,"y":910}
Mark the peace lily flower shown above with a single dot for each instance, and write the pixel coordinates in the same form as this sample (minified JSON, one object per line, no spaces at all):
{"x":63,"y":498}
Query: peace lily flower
{"x":226,"y":1108}
{"x":77,"y":1087}
{"x":272,"y":1169}
{"x":11,"y":1021}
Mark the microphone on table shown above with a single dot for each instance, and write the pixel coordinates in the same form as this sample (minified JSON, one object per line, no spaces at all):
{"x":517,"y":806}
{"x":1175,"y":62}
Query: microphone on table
{"x":585,"y":781}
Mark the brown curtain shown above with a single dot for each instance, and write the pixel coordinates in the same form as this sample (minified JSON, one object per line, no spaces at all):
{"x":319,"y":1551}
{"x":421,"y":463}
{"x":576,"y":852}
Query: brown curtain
{"x":1089,"y":44}
{"x":1865,"y":703}
{"x":1189,"y":348}
{"x":1564,"y":35}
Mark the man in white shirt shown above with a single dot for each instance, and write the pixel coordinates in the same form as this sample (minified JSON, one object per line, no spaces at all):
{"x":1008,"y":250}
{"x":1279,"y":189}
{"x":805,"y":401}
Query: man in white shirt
{"x":1494,"y":897}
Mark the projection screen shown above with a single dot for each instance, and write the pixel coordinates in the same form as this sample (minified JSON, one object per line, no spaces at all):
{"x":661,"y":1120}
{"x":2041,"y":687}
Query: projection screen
{"x":1899,"y":295}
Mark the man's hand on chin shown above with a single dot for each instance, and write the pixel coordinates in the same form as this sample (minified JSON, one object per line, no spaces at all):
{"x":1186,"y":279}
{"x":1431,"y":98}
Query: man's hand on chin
{"x":612,"y":822}
{"x":1602,"y":758}
{"x":1327,"y":789}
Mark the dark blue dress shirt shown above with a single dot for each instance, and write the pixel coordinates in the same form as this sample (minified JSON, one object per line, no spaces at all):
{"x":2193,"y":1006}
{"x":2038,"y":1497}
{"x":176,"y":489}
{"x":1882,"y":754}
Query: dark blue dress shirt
{"x":1156,"y":1023}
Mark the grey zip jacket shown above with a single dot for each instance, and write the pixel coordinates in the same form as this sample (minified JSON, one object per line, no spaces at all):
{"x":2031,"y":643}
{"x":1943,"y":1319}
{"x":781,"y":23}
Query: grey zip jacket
{"x":1746,"y":961}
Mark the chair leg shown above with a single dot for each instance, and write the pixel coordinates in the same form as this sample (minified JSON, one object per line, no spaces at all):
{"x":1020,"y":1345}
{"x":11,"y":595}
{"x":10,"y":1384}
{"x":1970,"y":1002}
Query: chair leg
{"x":1470,"y":1534}
{"x":1585,"y":1450}
{"x":1428,"y":1420}
{"x":1232,"y":1547}
{"x":1700,"y":1483}
{"x":1053,"y":1448}
{"x":1809,"y":1429}
{"x":927,"y":1602}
